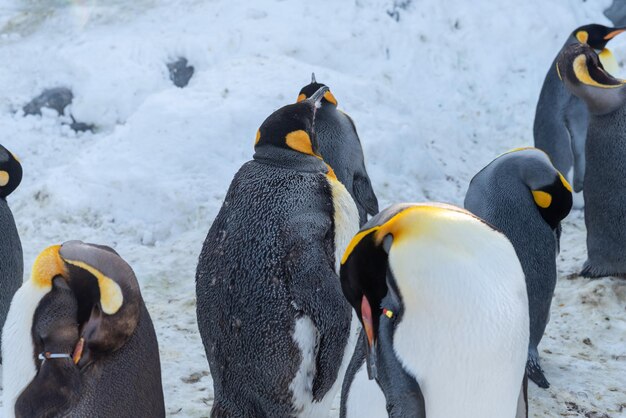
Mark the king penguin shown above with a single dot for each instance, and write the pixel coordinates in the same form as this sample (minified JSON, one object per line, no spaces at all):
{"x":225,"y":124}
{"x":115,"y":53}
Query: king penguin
{"x":561,"y":118}
{"x":11,"y":259}
{"x":275,"y":326}
{"x":525,"y":197}
{"x":340,"y":147}
{"x":79,"y":341}
{"x":442,"y":300}
{"x":605,"y":177}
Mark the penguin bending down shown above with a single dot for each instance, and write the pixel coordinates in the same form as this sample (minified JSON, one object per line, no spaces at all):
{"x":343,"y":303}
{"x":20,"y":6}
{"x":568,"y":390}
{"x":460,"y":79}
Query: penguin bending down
{"x":79,"y":341}
{"x":275,"y":326}
{"x":561,"y":118}
{"x":605,"y":177}
{"x":442,"y":300}
{"x":11,"y":259}
{"x":340,"y":147}
{"x":525,"y":197}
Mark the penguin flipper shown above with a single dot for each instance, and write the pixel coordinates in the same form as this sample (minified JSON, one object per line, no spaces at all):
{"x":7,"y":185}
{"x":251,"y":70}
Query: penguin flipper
{"x":535,"y":372}
{"x":364,"y":194}
{"x":576,"y":122}
{"x":315,"y":288}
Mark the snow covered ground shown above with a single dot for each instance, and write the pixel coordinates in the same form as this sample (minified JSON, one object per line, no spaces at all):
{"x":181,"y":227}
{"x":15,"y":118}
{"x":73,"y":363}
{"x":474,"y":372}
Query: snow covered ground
{"x":437,"y":90}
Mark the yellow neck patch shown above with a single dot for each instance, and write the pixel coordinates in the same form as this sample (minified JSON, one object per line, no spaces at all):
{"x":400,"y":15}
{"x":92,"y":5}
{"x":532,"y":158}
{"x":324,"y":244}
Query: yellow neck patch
{"x":542,"y":199}
{"x":47,"y":266}
{"x":565,"y":183}
{"x":608,"y":61}
{"x":111,"y":297}
{"x":582,"y":73}
{"x":301,"y":97}
{"x":258,"y":137}
{"x":300,"y":141}
{"x":4,"y":178}
{"x":582,"y":36}
{"x":331,"y":172}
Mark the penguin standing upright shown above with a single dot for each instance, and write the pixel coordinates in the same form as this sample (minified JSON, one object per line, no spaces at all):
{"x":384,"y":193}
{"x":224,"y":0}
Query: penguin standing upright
{"x":605,"y":177}
{"x":11,"y":259}
{"x":340,"y":147}
{"x":525,"y":197}
{"x":561,"y":118}
{"x":443,"y":304}
{"x":274,"y":323}
{"x":80,"y":341}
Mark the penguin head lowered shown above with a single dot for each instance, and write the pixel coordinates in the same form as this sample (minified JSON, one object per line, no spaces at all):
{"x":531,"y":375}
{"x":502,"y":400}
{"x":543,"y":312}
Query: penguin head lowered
{"x":310,"y":89}
{"x":85,"y":303}
{"x":411,"y":256}
{"x":550,"y":191}
{"x":10,"y":172}
{"x":584,"y":75}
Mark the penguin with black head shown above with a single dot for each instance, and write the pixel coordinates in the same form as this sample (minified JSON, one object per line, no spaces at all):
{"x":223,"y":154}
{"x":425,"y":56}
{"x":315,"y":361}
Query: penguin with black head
{"x":561,"y":118}
{"x":79,"y":341}
{"x":525,"y":197}
{"x":11,"y":258}
{"x":340,"y":147}
{"x":442,"y":300}
{"x":605,"y":177}
{"x":275,"y":326}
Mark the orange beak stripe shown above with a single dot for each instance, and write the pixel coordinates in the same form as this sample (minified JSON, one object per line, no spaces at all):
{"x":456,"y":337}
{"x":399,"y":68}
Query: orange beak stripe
{"x":366,"y":317}
{"x":613,"y":34}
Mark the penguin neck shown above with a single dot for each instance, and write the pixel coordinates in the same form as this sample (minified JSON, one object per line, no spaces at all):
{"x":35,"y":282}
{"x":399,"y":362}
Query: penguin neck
{"x":289,"y":159}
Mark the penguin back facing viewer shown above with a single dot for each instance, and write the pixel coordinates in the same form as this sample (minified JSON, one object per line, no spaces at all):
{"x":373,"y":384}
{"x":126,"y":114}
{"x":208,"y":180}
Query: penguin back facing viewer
{"x":274,"y":323}
{"x":340,"y":146}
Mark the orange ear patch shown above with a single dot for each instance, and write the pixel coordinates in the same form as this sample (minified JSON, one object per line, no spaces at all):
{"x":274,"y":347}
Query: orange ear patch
{"x":258,"y":137}
{"x":4,"y":178}
{"x":329,"y":96}
{"x":300,"y":141}
{"x":301,"y":98}
{"x":47,"y":266}
{"x":542,"y":199}
{"x":582,"y":36}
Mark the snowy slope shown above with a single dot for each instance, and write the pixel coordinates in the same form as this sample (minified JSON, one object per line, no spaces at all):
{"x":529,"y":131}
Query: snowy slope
{"x":436,"y":94}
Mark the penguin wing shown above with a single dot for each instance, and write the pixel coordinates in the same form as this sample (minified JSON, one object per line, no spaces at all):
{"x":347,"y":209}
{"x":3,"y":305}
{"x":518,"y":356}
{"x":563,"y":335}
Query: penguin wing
{"x":364,"y":194}
{"x":316,"y":293}
{"x":576,"y":122}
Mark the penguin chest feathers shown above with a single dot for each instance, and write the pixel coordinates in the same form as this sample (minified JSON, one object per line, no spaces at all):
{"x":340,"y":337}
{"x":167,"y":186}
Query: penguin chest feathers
{"x":345,"y":217}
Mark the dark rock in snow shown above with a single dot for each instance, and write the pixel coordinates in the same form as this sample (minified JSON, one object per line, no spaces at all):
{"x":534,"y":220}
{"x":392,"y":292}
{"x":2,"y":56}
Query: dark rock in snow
{"x":180,"y":72}
{"x":57,"y":98}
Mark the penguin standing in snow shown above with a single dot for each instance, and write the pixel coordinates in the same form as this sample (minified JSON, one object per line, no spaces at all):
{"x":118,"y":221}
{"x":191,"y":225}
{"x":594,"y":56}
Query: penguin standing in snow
{"x":79,"y":341}
{"x":525,"y":197}
{"x":605,"y":177}
{"x":274,"y":323}
{"x":340,"y":147}
{"x":442,"y":300}
{"x":11,"y":259}
{"x":561,"y":118}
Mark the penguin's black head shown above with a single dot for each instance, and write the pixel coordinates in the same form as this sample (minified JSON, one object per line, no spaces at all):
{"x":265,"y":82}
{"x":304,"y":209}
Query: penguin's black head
{"x":554,"y":200}
{"x":10,"y":172}
{"x":292,"y":126}
{"x":596,"y":36}
{"x":310,"y":89}
{"x":580,"y":68}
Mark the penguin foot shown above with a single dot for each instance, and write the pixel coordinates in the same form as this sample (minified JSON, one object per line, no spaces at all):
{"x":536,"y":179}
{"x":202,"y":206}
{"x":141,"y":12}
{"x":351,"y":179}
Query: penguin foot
{"x":592,"y":272}
{"x":535,"y":373}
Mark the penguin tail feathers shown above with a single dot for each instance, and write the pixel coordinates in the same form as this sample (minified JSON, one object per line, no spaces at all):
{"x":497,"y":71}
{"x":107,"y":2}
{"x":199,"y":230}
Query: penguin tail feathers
{"x":535,"y":373}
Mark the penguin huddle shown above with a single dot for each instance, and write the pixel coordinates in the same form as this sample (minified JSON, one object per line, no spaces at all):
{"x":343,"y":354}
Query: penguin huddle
{"x":306,"y":291}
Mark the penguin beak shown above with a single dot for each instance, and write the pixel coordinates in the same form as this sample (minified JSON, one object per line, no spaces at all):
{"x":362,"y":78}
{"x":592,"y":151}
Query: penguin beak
{"x":614,"y":33}
{"x":370,"y":340}
{"x":318,"y":96}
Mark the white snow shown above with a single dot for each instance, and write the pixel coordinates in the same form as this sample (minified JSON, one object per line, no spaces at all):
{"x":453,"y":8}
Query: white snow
{"x":435,"y":96}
